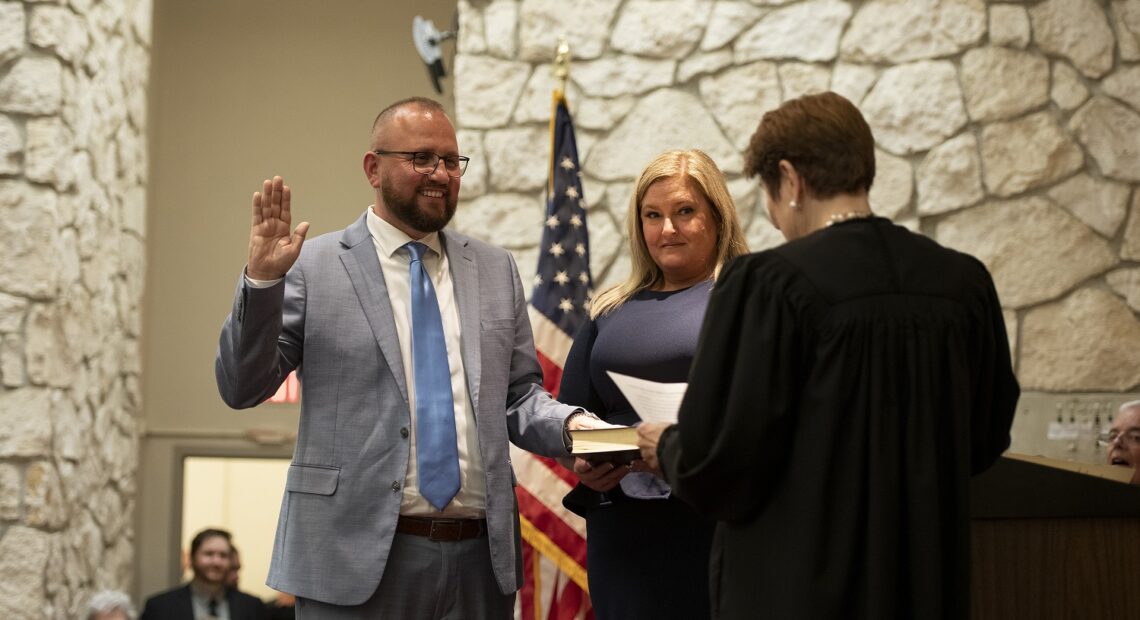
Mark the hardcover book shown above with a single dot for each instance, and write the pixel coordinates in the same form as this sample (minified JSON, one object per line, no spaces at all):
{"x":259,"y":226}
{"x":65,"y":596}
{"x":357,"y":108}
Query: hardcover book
{"x":618,"y":445}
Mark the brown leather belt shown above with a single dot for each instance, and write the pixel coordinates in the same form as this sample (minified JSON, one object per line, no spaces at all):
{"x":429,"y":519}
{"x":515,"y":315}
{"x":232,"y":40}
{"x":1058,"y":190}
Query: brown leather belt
{"x":442,"y":529}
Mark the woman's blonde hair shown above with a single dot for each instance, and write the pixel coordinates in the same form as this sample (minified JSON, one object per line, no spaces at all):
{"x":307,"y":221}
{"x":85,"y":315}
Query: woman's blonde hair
{"x":703,"y":174}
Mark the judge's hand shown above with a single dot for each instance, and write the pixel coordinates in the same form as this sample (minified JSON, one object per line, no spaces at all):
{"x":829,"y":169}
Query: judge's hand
{"x":600,"y":477}
{"x":648,"y":434}
{"x":272,"y":247}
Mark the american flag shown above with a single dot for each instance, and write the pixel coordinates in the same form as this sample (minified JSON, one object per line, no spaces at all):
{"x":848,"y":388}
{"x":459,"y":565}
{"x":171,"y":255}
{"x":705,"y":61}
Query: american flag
{"x":554,"y":539}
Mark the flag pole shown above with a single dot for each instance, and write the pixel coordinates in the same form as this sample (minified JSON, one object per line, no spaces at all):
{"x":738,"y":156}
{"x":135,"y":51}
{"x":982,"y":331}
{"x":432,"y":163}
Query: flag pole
{"x":561,"y":70}
{"x":562,"y":63}
{"x":553,"y":538}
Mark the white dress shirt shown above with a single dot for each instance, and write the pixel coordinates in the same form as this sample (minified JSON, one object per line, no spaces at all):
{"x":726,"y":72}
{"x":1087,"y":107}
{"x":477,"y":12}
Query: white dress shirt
{"x":200,"y":603}
{"x":471,"y":501}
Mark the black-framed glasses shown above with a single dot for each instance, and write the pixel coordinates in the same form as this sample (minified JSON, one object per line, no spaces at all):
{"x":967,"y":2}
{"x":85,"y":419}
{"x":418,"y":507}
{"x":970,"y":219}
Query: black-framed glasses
{"x":425,"y":162}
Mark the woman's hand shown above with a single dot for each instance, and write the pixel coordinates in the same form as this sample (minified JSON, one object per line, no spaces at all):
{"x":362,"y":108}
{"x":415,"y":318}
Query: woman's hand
{"x":600,"y":477}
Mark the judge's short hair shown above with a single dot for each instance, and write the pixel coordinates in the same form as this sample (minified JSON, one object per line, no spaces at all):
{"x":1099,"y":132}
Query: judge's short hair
{"x":824,"y":137}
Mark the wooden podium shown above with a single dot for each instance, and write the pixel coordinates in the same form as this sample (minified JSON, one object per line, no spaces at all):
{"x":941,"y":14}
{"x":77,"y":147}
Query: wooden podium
{"x":1050,"y":543}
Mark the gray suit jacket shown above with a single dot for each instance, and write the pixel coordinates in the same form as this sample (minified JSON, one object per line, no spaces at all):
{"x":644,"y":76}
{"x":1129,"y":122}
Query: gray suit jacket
{"x":332,"y":320}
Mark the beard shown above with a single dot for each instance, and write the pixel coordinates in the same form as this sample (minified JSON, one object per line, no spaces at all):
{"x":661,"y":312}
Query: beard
{"x":208,"y":575}
{"x":405,"y":209}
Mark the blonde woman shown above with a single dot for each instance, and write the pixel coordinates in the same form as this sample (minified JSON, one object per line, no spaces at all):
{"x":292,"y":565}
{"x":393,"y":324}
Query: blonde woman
{"x":648,"y":552}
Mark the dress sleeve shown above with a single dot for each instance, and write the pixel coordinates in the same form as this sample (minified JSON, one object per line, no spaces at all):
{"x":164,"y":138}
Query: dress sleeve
{"x":737,"y":417}
{"x":995,"y":387}
{"x":576,"y":387}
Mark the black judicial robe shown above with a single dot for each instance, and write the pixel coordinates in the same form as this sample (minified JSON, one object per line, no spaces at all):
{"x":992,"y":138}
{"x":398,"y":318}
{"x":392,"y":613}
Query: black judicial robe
{"x":846,"y":386}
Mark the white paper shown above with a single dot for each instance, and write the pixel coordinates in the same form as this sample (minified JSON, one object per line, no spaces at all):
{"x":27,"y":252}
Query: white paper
{"x":653,"y":401}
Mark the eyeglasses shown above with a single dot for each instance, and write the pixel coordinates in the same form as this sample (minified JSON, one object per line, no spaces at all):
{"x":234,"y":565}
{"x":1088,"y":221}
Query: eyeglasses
{"x":1128,"y":437}
{"x":425,"y":162}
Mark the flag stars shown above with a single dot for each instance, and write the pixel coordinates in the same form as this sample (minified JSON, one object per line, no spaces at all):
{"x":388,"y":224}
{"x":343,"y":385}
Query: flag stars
{"x":556,"y":249}
{"x":571,"y":192}
{"x":561,"y":278}
{"x":575,"y":221}
{"x":566,"y":305}
{"x":567,"y":164}
{"x":580,"y":249}
{"x":552,"y":221}
{"x":538,"y":279}
{"x":584,"y":277}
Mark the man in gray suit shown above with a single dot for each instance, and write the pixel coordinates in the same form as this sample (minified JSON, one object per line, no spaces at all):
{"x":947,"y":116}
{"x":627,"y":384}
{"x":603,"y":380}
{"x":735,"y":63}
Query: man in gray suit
{"x":392,"y":510}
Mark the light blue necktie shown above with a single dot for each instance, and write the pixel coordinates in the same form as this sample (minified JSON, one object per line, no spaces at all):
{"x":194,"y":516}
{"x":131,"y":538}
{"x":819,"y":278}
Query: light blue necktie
{"x":437,"y":457}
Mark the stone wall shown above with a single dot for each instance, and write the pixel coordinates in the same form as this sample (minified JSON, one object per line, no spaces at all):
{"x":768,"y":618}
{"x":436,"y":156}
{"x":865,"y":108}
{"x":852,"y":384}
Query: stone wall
{"x":73,"y":169}
{"x":1009,"y":130}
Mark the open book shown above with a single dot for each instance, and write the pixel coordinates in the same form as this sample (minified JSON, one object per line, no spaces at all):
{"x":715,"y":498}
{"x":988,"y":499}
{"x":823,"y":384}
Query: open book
{"x":599,"y":445}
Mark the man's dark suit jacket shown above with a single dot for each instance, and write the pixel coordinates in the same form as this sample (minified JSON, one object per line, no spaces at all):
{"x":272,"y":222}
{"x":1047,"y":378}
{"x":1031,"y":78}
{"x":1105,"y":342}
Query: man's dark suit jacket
{"x":175,"y":605}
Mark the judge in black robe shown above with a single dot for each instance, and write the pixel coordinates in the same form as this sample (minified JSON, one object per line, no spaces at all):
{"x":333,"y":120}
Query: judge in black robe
{"x":846,"y":386}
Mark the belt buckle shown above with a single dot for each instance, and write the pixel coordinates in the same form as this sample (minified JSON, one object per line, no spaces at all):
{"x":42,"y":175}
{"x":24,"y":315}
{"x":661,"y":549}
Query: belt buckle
{"x":445,"y":529}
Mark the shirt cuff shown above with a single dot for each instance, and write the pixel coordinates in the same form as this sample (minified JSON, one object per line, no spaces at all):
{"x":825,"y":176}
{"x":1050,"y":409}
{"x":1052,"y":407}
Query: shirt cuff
{"x":254,"y":283}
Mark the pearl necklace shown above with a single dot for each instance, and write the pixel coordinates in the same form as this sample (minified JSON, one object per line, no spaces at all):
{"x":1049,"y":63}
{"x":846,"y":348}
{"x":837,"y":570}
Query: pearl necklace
{"x":836,"y":218}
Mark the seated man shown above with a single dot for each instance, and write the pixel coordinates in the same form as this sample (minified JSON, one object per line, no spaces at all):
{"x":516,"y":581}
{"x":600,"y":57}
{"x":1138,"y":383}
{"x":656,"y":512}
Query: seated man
{"x":206,"y":596}
{"x":1123,"y":440}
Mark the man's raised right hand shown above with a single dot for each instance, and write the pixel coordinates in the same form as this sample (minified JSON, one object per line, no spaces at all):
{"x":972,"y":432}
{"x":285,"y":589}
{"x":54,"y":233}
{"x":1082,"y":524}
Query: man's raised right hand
{"x":272,"y":248}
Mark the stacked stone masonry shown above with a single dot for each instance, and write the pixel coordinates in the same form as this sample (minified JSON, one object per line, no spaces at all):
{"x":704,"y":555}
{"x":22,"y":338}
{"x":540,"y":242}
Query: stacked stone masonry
{"x":1009,"y":130}
{"x":73,"y":174}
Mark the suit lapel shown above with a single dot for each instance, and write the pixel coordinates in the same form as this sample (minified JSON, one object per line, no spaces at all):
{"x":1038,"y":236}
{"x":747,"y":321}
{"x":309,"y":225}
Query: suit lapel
{"x":368,"y":280}
{"x":465,"y":279}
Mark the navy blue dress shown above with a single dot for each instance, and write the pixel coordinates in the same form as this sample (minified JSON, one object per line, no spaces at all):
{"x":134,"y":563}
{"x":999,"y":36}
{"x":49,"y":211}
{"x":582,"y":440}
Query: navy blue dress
{"x":647,"y":552}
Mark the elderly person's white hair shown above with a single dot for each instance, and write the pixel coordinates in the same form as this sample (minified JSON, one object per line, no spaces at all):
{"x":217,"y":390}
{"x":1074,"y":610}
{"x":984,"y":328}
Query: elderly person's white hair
{"x":108,"y":601}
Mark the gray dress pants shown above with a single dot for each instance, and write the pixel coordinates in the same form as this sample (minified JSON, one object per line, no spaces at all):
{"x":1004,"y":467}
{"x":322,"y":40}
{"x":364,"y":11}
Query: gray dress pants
{"x":427,"y":580}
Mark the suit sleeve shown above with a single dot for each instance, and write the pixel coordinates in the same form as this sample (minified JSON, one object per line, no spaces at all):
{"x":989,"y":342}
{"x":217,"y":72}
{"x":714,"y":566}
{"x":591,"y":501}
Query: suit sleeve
{"x":534,"y":419}
{"x":261,"y":340}
{"x":736,"y":420}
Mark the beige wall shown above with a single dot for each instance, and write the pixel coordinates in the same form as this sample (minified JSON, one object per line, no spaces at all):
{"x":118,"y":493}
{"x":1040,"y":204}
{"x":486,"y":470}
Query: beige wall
{"x":242,"y":90}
